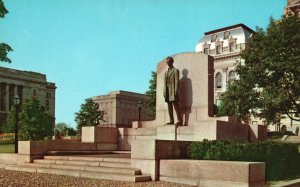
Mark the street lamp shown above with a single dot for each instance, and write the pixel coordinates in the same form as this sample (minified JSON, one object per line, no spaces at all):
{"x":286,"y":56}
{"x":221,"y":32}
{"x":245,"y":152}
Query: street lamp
{"x":139,"y":105}
{"x":16,"y":100}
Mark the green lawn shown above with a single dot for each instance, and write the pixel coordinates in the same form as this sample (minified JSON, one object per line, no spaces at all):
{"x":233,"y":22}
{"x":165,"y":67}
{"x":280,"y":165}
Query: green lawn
{"x":7,"y":148}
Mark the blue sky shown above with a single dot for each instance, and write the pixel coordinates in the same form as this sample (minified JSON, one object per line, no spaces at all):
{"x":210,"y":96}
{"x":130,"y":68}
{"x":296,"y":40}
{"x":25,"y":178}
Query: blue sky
{"x":92,"y":47}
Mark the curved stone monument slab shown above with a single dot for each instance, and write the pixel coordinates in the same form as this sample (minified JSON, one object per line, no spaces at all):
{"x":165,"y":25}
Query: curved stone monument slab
{"x":195,"y":88}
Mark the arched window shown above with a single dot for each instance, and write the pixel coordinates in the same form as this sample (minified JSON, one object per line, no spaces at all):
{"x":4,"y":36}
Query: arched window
{"x":226,"y":35}
{"x":214,"y":38}
{"x":218,"y":80}
{"x":231,"y":76}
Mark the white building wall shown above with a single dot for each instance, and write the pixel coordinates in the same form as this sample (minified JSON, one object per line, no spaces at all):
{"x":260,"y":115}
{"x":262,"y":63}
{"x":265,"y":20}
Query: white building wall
{"x":226,"y":61}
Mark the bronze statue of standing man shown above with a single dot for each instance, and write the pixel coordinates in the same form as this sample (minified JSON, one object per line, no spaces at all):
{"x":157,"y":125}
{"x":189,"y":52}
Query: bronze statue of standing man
{"x":171,"y":84}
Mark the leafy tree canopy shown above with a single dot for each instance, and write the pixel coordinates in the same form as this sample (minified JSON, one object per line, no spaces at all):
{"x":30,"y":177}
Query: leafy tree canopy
{"x":3,"y":10}
{"x":151,"y":94}
{"x":35,"y":121}
{"x":269,"y":79}
{"x":89,"y":114}
{"x":4,"y":48}
{"x":64,"y":130}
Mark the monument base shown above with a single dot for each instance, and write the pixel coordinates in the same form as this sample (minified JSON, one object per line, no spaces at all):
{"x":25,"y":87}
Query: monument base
{"x":210,"y":129}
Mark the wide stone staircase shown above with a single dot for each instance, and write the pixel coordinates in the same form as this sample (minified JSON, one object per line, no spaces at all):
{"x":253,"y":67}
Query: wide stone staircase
{"x":103,"y":166}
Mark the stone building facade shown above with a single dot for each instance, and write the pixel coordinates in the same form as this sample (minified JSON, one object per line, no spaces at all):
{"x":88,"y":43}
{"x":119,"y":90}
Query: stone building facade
{"x":121,"y":108}
{"x":25,"y":84}
{"x":225,"y":45}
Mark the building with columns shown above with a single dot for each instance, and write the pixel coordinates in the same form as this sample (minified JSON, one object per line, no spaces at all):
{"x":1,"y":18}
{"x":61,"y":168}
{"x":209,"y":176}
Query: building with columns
{"x":225,"y":45}
{"x":25,"y":84}
{"x":121,"y":108}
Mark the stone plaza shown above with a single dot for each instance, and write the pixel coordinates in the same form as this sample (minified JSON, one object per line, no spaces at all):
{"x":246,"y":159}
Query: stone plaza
{"x":151,"y":150}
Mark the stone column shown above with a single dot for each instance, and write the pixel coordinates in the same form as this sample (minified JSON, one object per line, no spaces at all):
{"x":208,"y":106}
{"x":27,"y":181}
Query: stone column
{"x":16,"y":90}
{"x":7,"y":97}
{"x":225,"y":78}
{"x":24,"y":93}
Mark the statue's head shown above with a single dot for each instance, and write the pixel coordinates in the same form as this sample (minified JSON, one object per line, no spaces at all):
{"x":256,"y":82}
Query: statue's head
{"x":170,"y":61}
{"x":185,"y":72}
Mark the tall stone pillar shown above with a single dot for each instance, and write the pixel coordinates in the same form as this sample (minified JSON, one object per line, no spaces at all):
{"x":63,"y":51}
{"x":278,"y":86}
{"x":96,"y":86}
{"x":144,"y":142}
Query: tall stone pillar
{"x":225,"y":79}
{"x":16,"y":90}
{"x":7,"y":97}
{"x":24,"y":93}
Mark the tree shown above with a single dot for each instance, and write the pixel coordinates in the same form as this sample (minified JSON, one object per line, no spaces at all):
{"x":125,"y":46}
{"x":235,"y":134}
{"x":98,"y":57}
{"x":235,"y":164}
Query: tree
{"x":9,"y":125}
{"x":3,"y":10}
{"x":35,"y":123}
{"x":89,"y":114}
{"x":59,"y":129}
{"x":4,"y":48}
{"x":63,"y":129}
{"x":70,"y":131}
{"x":269,"y":79}
{"x":151,"y":94}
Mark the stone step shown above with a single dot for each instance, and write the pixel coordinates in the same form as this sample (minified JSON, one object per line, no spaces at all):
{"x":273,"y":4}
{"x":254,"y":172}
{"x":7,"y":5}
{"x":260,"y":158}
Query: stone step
{"x":84,"y":163}
{"x":57,"y":153}
{"x":88,"y":158}
{"x":115,"y":164}
{"x":87,"y":174}
{"x":128,"y":171}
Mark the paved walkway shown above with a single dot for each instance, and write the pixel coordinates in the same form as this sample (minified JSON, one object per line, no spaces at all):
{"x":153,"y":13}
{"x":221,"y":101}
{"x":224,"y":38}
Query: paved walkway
{"x":26,"y":179}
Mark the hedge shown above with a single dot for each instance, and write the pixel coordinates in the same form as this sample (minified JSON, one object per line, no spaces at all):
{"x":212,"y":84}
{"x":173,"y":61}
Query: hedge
{"x":282,"y":159}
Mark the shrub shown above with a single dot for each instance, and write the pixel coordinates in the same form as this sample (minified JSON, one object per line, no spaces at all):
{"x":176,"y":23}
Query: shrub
{"x":282,"y":159}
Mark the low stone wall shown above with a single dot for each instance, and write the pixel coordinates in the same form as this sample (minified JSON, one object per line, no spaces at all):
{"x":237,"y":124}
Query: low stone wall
{"x":145,"y":154}
{"x":96,"y":134}
{"x":212,"y":173}
{"x":220,"y":130}
{"x":29,"y":150}
{"x":41,"y":147}
{"x":165,"y":160}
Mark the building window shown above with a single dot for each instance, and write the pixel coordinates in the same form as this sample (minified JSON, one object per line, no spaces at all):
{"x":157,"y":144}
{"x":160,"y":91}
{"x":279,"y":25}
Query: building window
{"x":47,"y":104}
{"x":205,"y":50}
{"x":231,"y":47}
{"x":219,"y":80}
{"x":231,"y":76}
{"x":34,"y":92}
{"x":226,"y":35}
{"x":214,"y":38}
{"x":48,"y":95}
{"x":218,"y":49}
